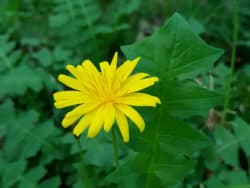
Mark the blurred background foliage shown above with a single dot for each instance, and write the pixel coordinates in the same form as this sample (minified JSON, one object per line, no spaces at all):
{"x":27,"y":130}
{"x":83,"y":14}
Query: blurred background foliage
{"x":37,"y":40}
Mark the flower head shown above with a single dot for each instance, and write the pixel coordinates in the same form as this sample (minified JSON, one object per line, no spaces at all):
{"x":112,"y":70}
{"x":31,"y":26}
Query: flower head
{"x":104,"y":96}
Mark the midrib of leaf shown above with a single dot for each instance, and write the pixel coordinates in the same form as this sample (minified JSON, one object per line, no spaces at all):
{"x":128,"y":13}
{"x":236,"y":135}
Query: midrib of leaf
{"x":159,"y":117}
{"x":174,"y":46}
{"x":190,"y":99}
{"x":190,"y":63}
{"x":151,"y":156}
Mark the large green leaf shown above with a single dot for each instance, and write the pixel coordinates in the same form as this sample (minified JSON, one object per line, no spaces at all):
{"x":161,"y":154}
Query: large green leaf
{"x":166,"y":148}
{"x":174,"y":53}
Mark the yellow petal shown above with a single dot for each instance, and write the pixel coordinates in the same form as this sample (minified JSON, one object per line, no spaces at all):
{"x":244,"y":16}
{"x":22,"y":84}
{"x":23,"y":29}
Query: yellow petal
{"x":82,"y":109}
{"x":141,"y":84}
{"x":104,"y":66}
{"x":126,"y":69}
{"x":130,"y":81}
{"x":67,"y":95}
{"x":93,"y":76}
{"x":140,"y":99}
{"x":83,"y":124}
{"x":109,"y":117}
{"x":132,"y":114}
{"x":97,"y":123}
{"x":67,"y":103}
{"x":122,"y":123}
{"x":86,"y":80}
{"x":70,"y":82}
{"x":73,"y":70}
{"x":72,"y":116}
{"x":112,"y":70}
{"x":66,"y":122}
{"x":113,"y":64}
{"x":137,"y":77}
{"x":90,"y":69}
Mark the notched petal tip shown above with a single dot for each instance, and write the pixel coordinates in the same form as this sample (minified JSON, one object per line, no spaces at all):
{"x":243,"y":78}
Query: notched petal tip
{"x":86,"y":61}
{"x":68,"y":67}
{"x":59,"y":77}
{"x":106,"y":129}
{"x":156,"y":79}
{"x":58,"y":106}
{"x":65,"y":123}
{"x":92,"y":134}
{"x":125,"y":140}
{"x":141,"y":128}
{"x":157,"y":100}
{"x":55,"y":95}
{"x":62,"y":77}
{"x":76,"y":133}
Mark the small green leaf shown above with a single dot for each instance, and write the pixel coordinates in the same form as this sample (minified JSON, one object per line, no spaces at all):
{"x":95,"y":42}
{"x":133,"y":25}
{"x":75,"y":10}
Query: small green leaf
{"x":242,"y":132}
{"x":50,"y":182}
{"x":234,"y":177}
{"x":18,"y":80}
{"x":44,"y":57}
{"x":227,"y":146}
{"x":32,"y":177}
{"x":12,"y":172}
{"x":214,"y":182}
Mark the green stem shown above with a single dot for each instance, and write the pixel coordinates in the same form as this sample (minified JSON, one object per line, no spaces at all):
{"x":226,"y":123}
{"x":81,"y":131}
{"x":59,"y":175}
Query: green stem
{"x":232,"y":65}
{"x":83,"y":166}
{"x":115,"y":149}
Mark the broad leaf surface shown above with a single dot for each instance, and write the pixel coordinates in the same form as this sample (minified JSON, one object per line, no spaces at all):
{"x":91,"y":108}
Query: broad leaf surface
{"x":174,"y":54}
{"x":174,"y":51}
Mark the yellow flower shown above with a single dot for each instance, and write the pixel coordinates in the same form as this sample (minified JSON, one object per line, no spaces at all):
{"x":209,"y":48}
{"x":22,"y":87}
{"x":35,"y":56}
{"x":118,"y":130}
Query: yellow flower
{"x":104,"y":96}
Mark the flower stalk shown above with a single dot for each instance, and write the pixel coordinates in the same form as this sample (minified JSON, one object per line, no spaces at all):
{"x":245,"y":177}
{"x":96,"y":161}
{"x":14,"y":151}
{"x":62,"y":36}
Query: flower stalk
{"x":83,"y":168}
{"x":115,"y":147}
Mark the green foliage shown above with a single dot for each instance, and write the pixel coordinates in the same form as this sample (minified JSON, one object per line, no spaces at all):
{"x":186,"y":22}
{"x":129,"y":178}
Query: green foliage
{"x":8,"y":54}
{"x":23,"y":139}
{"x":89,"y":24}
{"x":229,"y":148}
{"x":183,"y":144}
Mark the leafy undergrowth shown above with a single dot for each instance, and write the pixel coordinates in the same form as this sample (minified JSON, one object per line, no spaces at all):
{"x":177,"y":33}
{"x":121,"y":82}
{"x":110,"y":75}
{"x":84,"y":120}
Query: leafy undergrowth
{"x":183,"y":145}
